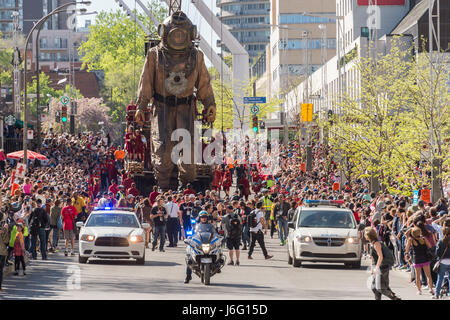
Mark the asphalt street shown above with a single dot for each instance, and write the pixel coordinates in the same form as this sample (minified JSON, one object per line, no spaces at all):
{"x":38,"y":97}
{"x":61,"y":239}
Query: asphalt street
{"x":162,"y":278}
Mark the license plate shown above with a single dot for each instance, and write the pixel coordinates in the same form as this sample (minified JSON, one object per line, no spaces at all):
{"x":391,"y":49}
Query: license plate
{"x":206,"y":260}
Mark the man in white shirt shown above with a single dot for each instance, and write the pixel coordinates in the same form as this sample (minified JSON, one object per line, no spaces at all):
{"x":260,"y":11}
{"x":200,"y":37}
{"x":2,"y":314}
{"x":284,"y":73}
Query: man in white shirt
{"x":173,"y":221}
{"x":256,"y":233}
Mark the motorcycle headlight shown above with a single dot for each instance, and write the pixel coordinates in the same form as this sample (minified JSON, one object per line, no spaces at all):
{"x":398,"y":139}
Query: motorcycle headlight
{"x":206,"y":248}
{"x":136,"y":239}
{"x":352,"y":240}
{"x":87,"y":237}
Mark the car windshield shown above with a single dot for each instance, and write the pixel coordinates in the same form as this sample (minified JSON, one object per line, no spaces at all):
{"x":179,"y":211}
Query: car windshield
{"x":326,"y":219}
{"x":112,"y":220}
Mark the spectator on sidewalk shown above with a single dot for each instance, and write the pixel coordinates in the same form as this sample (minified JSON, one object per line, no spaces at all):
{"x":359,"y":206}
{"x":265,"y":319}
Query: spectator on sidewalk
{"x":69,"y":215}
{"x":4,"y":241}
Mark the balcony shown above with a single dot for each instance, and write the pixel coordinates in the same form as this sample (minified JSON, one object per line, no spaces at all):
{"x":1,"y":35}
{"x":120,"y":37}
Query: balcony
{"x":222,"y":2}
{"x":236,"y":27}
{"x":254,"y":40}
{"x":259,"y":12}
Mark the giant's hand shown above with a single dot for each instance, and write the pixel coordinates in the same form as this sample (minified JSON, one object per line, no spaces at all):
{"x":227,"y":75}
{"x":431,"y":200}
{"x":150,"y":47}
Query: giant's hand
{"x":211,"y":114}
{"x":140,"y":117}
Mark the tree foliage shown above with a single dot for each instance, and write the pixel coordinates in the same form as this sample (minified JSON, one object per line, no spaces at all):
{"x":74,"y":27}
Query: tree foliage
{"x":116,"y":44}
{"x":45,"y":91}
{"x":382,"y":125}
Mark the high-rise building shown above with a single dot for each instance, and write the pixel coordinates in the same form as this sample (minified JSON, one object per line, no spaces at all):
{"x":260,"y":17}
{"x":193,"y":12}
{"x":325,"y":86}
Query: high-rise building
{"x":33,"y":10}
{"x":303,"y":38}
{"x":30,"y":11}
{"x":7,"y":7}
{"x":359,"y":23}
{"x":248,"y":21}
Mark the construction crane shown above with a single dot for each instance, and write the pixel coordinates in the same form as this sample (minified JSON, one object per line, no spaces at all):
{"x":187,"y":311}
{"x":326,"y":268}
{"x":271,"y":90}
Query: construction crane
{"x":174,"y":6}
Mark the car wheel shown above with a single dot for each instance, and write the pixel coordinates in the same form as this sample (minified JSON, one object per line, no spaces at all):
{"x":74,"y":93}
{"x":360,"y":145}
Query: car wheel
{"x":295,"y":262}
{"x":141,"y":261}
{"x":289,"y":256}
{"x":82,"y":259}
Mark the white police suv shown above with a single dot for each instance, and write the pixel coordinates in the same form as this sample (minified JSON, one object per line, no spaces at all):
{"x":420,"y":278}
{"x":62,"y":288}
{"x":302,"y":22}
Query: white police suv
{"x":322,"y":231}
{"x":111,"y":233}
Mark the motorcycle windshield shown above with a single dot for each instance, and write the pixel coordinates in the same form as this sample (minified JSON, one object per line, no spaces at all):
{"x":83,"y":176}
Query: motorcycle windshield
{"x":204,"y":233}
{"x":205,"y":237}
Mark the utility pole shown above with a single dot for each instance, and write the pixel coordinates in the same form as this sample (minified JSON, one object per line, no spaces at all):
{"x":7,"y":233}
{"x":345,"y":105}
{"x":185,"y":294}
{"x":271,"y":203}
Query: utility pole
{"x":306,"y":100}
{"x":436,"y":185}
{"x":16,"y":64}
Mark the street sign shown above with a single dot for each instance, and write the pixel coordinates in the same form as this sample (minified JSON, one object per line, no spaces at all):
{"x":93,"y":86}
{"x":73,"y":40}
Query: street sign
{"x":10,"y":120}
{"x":426,"y":195}
{"x":304,"y":136}
{"x":65,"y":100}
{"x":306,"y":112}
{"x":30,"y":134}
{"x":254,"y":109}
{"x":250,"y":100}
{"x":416,"y":197}
{"x":20,"y":170}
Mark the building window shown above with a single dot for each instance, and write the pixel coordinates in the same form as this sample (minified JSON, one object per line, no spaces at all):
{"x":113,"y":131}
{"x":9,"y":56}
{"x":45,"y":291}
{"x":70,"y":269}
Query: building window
{"x":7,"y":4}
{"x":294,"y":18}
{"x":297,"y":44}
{"x":43,"y":43}
{"x":275,"y":74}
{"x":60,"y":43}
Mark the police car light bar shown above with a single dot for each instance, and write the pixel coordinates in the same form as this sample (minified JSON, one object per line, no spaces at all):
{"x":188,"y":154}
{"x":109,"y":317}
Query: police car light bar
{"x":112,"y":208}
{"x":337,"y":203}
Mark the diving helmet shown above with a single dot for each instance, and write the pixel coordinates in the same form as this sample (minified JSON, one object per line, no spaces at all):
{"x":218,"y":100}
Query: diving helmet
{"x":177,"y":32}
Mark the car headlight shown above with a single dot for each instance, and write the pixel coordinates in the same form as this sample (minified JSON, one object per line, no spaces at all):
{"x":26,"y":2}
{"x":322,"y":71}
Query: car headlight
{"x":136,"y":239}
{"x":352,"y":240}
{"x":87,"y":237}
{"x":206,"y":248}
{"x":304,"y":239}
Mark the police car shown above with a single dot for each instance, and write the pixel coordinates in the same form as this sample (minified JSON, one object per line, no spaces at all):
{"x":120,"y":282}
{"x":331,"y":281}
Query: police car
{"x":322,"y":231}
{"x":111,"y":233}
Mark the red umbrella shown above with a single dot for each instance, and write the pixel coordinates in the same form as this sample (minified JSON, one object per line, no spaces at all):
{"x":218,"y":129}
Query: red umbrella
{"x":30,"y":154}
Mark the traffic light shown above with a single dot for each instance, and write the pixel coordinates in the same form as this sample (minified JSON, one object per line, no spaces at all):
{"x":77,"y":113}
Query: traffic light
{"x":57,"y":117}
{"x":255,"y":124}
{"x":64,"y":114}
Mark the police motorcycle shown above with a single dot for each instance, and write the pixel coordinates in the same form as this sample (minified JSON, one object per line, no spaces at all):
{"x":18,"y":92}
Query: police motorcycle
{"x":204,"y":251}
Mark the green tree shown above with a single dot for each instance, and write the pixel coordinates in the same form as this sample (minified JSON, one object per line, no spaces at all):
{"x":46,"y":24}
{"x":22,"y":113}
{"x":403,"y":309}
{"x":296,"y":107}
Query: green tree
{"x":226,"y":106}
{"x":116,"y":45}
{"x":6,"y":68}
{"x":381,"y":126}
{"x":45,"y":91}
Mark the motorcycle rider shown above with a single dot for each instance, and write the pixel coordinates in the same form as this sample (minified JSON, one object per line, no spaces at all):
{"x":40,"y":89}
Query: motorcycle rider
{"x":203,"y":217}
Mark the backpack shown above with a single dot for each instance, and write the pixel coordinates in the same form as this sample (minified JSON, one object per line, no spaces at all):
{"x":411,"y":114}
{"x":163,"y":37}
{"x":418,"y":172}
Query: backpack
{"x":251,"y":219}
{"x":388,"y":256}
{"x":35,"y":225}
{"x":235,"y":227}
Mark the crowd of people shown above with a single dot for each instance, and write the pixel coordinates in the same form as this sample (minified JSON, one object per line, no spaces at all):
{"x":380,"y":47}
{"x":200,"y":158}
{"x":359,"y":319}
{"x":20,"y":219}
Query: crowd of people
{"x":85,"y":170}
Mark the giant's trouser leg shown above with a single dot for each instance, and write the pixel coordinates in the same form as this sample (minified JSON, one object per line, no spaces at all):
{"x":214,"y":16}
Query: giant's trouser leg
{"x":163,"y":122}
{"x":185,"y":117}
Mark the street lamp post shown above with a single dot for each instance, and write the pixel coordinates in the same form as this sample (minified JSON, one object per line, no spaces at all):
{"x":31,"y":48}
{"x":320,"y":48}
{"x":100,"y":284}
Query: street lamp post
{"x":25,"y":116}
{"x":38,"y":111}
